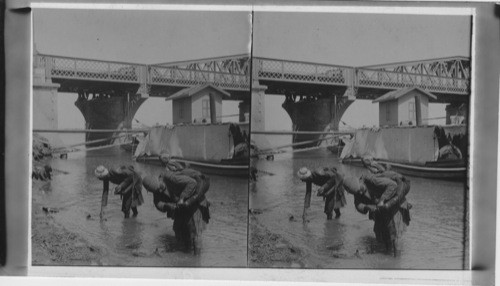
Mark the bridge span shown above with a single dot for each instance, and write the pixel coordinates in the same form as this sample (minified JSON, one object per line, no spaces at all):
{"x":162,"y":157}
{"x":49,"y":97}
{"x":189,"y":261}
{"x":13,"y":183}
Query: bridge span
{"x":316,"y":95}
{"x":110,"y":93}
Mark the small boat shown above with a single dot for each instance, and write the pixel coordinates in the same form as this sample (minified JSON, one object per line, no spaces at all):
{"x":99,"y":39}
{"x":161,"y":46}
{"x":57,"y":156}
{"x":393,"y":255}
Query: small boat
{"x":226,"y":167}
{"x":444,"y":170}
{"x":335,"y":149}
{"x":227,"y":155}
{"x":131,"y":145}
{"x":337,"y":144}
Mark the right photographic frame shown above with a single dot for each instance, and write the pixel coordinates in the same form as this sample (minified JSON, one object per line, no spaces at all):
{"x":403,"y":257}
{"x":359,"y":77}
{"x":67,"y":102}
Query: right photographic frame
{"x":360,"y":133}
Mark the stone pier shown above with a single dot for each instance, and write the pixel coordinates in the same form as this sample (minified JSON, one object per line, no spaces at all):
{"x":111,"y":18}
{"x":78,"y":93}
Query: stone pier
{"x":102,"y":111}
{"x":257,"y":118}
{"x":312,"y":113}
{"x":45,"y":106}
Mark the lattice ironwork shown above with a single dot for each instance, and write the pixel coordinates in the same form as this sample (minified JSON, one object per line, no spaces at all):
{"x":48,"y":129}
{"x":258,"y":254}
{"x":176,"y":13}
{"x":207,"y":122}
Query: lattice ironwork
{"x":227,"y":73}
{"x":452,"y":67}
{"x":280,"y":70}
{"x":231,"y":72}
{"x":448,"y":75}
{"x":186,"y":77}
{"x":71,"y":68}
{"x":395,"y":80}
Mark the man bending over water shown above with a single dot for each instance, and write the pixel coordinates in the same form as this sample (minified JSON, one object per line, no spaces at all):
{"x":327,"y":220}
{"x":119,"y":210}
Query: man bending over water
{"x":384,"y":200}
{"x":331,"y":189}
{"x":129,"y":186}
{"x":181,"y":194}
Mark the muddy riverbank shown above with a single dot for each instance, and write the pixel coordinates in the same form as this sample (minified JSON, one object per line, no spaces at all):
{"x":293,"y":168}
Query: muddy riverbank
{"x":70,"y":232}
{"x":268,"y":249}
{"x":435,"y":239}
{"x":53,"y":244}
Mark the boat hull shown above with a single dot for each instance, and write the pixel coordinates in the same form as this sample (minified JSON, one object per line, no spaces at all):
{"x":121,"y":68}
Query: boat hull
{"x":223,"y":168}
{"x":435,"y":171}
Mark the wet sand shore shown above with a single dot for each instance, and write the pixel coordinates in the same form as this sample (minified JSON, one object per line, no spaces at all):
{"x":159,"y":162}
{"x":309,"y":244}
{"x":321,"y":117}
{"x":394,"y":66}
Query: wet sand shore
{"x":52,"y":244}
{"x":268,"y":249}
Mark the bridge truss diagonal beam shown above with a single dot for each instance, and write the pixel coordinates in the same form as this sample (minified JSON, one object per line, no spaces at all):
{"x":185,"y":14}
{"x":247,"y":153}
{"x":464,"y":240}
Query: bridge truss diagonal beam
{"x":231,"y":73}
{"x":225,"y":72}
{"x":447,"y":75}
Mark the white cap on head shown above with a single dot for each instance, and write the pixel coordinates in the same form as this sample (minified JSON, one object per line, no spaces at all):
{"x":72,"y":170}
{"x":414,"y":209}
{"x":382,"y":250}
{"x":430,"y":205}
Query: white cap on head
{"x":101,"y":172}
{"x":304,"y":173}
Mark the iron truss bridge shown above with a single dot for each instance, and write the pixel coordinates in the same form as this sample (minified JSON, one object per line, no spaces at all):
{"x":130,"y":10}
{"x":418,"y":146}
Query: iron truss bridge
{"x":443,"y":76}
{"x":231,"y":73}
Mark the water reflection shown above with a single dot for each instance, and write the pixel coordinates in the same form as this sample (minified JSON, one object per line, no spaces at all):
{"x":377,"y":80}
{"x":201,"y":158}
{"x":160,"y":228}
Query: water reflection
{"x":131,"y":235}
{"x":434,"y":239}
{"x":148,"y":239}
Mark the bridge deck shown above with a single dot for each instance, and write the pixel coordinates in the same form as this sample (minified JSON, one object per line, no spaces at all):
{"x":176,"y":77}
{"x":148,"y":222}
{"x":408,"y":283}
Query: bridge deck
{"x":443,"y":76}
{"x":389,"y":78}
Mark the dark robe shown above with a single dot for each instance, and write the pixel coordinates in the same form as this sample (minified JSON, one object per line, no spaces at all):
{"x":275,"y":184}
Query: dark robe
{"x":189,"y":186}
{"x":129,"y":187}
{"x":330,"y":182}
{"x":389,"y":223}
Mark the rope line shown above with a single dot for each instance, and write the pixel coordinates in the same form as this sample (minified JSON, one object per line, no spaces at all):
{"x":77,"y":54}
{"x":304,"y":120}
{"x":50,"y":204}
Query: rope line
{"x":63,"y":148}
{"x":302,"y":132}
{"x":295,"y":144}
{"x":99,"y":148}
{"x":90,"y":130}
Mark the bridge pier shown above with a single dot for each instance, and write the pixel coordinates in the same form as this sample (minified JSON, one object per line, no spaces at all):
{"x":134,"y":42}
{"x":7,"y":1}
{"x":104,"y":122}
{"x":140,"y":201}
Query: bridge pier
{"x":45,"y":106}
{"x":257,"y":119}
{"x":107,"y":111}
{"x":313,"y":113}
{"x":258,"y":122}
{"x":316,"y":113}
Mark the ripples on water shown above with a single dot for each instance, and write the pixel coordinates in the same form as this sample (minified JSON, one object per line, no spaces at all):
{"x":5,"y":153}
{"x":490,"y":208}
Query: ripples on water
{"x":435,"y":238}
{"x":133,"y":242}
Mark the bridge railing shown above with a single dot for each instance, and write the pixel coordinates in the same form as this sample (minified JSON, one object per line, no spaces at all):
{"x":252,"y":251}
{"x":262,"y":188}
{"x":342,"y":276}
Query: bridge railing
{"x":74,"y":68}
{"x":392,"y":80}
{"x":160,"y":75}
{"x":293,"y":71}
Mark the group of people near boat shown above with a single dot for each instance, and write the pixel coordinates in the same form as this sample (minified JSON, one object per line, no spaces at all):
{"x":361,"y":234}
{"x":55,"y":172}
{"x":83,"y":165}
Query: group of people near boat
{"x":178,"y":191}
{"x":381,"y":194}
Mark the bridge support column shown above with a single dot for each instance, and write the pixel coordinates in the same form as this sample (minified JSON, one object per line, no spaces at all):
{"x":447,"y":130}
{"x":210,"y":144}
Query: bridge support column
{"x":456,"y":109}
{"x":45,"y":106}
{"x":258,"y":120}
{"x":315,"y":114}
{"x":103,"y":111}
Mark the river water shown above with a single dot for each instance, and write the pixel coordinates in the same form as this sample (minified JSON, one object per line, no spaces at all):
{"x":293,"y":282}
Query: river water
{"x":435,"y":238}
{"x":147,"y":240}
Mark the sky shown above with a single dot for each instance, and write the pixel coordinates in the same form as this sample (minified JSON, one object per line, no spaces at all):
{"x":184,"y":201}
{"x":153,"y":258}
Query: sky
{"x":356,"y":40}
{"x":150,"y":37}
{"x":145,"y":37}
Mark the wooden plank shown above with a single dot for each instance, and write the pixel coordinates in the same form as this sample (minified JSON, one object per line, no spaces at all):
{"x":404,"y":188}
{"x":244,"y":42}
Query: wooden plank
{"x":104,"y":199}
{"x":307,"y":200}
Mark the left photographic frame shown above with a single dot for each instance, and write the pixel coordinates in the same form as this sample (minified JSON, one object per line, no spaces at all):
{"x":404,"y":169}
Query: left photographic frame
{"x":140,"y":138}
